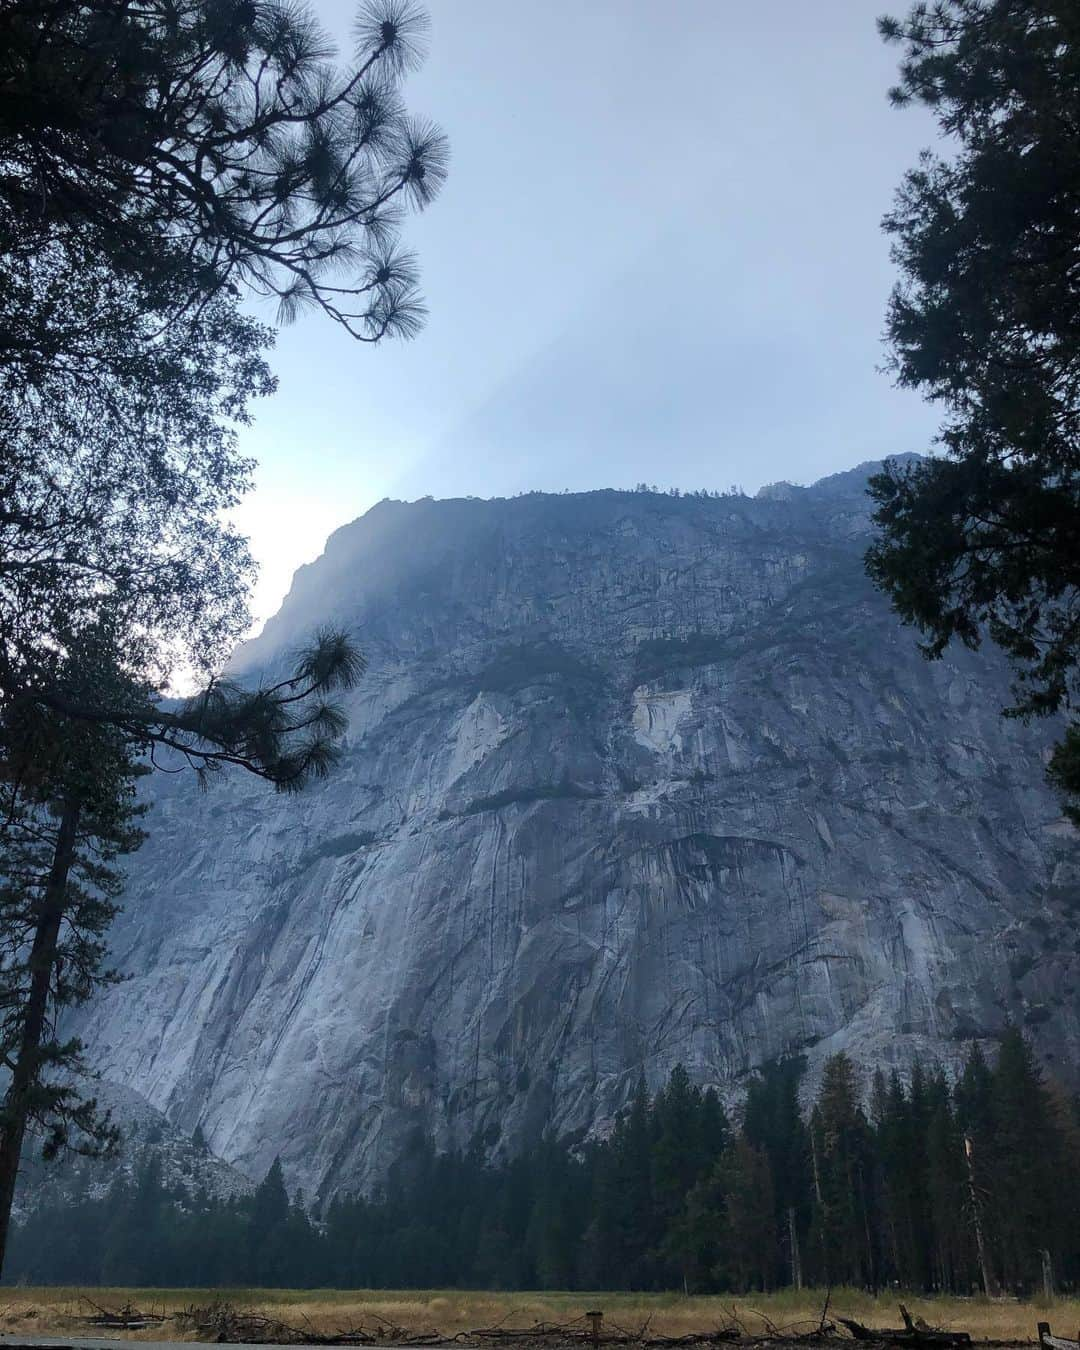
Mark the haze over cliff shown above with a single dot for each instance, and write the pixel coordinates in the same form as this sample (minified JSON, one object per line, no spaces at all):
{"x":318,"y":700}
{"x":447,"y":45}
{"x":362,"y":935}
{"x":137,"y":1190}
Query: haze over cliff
{"x":632,"y":780}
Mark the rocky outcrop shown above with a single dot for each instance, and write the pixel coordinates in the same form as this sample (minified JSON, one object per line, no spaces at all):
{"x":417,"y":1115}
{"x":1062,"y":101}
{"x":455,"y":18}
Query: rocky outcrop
{"x":632,"y":780}
{"x":186,"y":1165}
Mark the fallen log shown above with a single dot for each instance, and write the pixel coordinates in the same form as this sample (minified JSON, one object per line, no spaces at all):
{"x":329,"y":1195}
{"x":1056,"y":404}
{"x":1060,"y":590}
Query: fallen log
{"x":858,"y":1331}
{"x":509,"y":1335}
{"x":914,"y":1332}
{"x":1051,"y":1342}
{"x":126,"y":1318}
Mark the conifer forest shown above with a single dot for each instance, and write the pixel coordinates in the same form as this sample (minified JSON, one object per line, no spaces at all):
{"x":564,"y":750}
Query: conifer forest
{"x":934,"y":1185}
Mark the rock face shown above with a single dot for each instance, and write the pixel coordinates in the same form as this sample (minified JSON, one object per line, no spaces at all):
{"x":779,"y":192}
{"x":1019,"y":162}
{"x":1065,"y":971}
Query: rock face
{"x":186,"y":1164}
{"x":632,"y":779}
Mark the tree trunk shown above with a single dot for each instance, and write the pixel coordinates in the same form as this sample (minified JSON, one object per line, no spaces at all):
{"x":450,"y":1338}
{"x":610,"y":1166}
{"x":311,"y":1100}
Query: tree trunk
{"x":796,"y":1258}
{"x":824,"y":1224}
{"x":24,"y":1076}
{"x":989,"y":1283}
{"x":1047,"y":1275}
{"x":871,"y":1264}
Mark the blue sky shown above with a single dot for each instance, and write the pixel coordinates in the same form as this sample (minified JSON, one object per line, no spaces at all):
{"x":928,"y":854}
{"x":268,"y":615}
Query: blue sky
{"x":657,"y":257}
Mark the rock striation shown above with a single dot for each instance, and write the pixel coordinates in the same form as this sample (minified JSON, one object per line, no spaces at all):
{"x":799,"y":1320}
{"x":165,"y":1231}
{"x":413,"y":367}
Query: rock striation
{"x":633,"y":779}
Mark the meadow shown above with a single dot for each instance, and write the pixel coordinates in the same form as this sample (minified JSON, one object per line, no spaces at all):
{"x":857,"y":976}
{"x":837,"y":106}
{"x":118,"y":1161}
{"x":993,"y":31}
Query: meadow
{"x":52,"y":1310}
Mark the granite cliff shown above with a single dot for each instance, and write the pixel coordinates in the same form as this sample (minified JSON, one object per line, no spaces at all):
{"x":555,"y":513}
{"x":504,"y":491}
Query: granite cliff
{"x":632,"y":779}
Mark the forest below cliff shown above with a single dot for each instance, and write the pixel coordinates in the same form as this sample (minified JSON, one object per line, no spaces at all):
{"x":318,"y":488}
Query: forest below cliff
{"x":931,"y":1183}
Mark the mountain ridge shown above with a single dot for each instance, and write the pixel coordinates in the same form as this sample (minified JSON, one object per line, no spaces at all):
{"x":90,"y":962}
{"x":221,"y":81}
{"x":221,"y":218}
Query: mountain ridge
{"x":392,"y":511}
{"x":633,"y":779}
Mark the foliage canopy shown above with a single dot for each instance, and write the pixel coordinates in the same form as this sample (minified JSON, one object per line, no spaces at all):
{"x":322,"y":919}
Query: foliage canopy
{"x":209,"y":144}
{"x":984,"y":320}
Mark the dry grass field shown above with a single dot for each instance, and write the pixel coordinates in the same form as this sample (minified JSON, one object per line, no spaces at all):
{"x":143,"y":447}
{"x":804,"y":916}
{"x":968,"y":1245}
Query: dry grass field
{"x":63,"y":1310}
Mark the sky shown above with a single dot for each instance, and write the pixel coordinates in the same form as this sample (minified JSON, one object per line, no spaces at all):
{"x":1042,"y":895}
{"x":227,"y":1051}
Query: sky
{"x":657,"y":258}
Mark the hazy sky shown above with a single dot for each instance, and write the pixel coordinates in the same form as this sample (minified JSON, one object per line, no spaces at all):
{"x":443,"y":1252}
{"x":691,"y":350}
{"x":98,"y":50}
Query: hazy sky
{"x":658,"y":258}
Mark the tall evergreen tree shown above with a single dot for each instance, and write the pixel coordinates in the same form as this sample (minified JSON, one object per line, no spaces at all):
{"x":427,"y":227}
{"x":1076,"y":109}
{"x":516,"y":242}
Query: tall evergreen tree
{"x":697,"y":1241}
{"x":556,"y":1218}
{"x":625,"y":1227}
{"x":981,"y":540}
{"x":268,"y":1234}
{"x":679,"y":1152}
{"x":748,"y":1244}
{"x":952,"y":1253}
{"x":840,"y":1143}
{"x":1028,"y":1164}
{"x":772,"y":1121}
{"x":976,"y":1118}
{"x":68,"y":815}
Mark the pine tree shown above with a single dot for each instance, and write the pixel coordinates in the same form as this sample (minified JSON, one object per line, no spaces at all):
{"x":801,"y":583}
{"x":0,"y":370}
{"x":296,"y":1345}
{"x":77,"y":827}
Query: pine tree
{"x":901,"y":1145}
{"x":885,"y":1098}
{"x":68,"y":814}
{"x":953,"y":1253}
{"x":680,"y":1153}
{"x":773,"y":1121}
{"x":1027,"y":1163}
{"x":1063,"y":1240}
{"x":715,"y":1129}
{"x":841,"y":1147}
{"x":975,"y":1115}
{"x":625,"y":1227}
{"x":696,"y":1240}
{"x":202,"y":148}
{"x":268,"y":1229}
{"x":981,"y":540}
{"x":749,"y":1248}
{"x":556,"y":1217}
